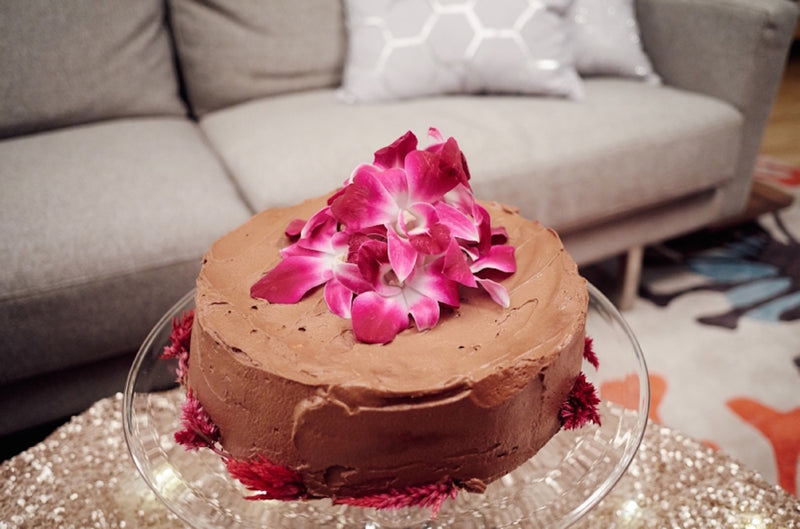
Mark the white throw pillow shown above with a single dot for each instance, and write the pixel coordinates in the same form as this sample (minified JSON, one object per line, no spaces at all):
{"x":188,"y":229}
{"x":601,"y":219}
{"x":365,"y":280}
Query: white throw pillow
{"x":401,"y":49}
{"x":605,"y":40}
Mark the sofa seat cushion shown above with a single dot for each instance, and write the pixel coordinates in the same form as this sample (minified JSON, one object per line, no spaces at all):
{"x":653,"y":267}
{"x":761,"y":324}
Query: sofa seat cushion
{"x":627,"y":146}
{"x":104,"y":227}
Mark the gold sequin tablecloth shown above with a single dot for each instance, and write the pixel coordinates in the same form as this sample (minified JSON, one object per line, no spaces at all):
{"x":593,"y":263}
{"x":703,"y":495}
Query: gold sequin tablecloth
{"x":81,"y":476}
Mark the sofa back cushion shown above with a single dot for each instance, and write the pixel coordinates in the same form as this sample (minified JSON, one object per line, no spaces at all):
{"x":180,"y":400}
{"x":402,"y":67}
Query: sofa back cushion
{"x":230,"y":52}
{"x":79,"y":61}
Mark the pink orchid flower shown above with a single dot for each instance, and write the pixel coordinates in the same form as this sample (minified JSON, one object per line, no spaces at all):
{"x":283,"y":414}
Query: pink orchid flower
{"x":395,"y":242}
{"x":402,"y":198}
{"x":318,"y":257}
{"x":382,"y":312}
{"x":479,"y":249}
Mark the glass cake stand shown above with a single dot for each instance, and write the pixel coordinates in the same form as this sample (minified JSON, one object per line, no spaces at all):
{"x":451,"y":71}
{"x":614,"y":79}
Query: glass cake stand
{"x":553,"y":489}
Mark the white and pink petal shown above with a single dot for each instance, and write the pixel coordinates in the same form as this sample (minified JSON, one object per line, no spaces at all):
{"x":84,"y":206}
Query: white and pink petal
{"x":433,"y":284}
{"x":455,"y":266}
{"x":366,"y":202}
{"x":377,"y":319}
{"x":460,"y":224}
{"x":339,"y":298}
{"x":291,"y":279}
{"x":423,"y":309}
{"x":402,"y":255}
{"x":499,"y":257}
{"x":496,"y":291}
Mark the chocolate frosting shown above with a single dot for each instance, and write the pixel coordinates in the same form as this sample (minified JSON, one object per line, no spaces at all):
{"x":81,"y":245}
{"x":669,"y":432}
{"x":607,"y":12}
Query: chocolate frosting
{"x":468,"y":400}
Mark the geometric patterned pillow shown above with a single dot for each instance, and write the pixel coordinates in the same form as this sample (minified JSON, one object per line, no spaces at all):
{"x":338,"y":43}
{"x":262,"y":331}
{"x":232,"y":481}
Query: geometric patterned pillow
{"x":413,"y":48}
{"x":605,"y":40}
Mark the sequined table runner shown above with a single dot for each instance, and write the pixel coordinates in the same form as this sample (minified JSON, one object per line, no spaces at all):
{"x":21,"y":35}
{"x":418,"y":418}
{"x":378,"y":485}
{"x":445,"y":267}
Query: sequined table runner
{"x":82,"y":476}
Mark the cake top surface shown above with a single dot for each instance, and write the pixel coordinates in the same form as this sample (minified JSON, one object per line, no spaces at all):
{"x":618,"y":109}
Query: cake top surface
{"x":471,"y":344}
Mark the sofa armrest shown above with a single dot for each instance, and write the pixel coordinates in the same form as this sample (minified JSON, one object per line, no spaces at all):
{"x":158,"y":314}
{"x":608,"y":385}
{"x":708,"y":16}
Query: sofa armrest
{"x":733,"y":50}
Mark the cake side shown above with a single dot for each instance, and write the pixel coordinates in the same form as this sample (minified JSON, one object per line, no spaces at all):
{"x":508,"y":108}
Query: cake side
{"x":468,"y":400}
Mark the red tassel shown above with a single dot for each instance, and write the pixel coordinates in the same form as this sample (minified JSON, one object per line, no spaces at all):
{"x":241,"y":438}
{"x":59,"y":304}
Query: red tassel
{"x":580,"y":408}
{"x":199,"y":431}
{"x":433,"y":496}
{"x":271,"y":481}
{"x":588,"y":352}
{"x":179,"y":341}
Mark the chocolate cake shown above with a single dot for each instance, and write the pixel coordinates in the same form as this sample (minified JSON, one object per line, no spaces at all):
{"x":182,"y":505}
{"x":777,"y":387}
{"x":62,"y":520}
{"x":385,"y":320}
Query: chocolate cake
{"x":463,"y":400}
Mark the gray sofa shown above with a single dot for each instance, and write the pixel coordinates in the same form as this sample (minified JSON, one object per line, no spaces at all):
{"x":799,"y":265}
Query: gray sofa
{"x":133,"y":134}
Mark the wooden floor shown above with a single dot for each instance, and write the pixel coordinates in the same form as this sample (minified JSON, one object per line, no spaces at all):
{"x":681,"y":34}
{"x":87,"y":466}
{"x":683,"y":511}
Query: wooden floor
{"x":782,"y":136}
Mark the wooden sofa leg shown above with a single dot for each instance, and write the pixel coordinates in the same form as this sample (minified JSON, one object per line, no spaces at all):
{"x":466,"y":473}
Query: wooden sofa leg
{"x":631,"y":276}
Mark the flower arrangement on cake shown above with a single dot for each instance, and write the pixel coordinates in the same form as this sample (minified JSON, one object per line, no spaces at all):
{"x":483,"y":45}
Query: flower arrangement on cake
{"x":397,"y":240}
{"x":401,"y":239}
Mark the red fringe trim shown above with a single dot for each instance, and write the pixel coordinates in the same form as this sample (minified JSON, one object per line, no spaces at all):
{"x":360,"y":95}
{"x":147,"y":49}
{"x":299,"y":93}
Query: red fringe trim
{"x":580,"y":408}
{"x":179,"y":340}
{"x":588,"y":352}
{"x":430,"y":496}
{"x":271,"y":481}
{"x":199,"y":431}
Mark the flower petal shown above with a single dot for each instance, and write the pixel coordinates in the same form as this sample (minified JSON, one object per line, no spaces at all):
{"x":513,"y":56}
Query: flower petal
{"x":350,"y":277}
{"x":455,"y":266}
{"x":435,"y":135}
{"x":294,"y":228}
{"x":297,"y":250}
{"x":424,"y":310}
{"x":461,"y":198}
{"x":452,"y":164}
{"x":377,"y":319}
{"x":370,"y":258}
{"x":366,"y":201}
{"x":426,"y":183}
{"x":499,"y":257}
{"x":395,"y":181}
{"x":459,"y":224}
{"x":496,"y":291}
{"x":499,"y":235}
{"x":434,"y":242}
{"x":483,"y":223}
{"x":432,"y":283}
{"x":318,"y":232}
{"x":289,"y":281}
{"x":337,"y":193}
{"x":402,"y":255}
{"x":339,"y":298}
{"x":394,"y":155}
{"x":417,"y":218}
{"x":321,"y":220}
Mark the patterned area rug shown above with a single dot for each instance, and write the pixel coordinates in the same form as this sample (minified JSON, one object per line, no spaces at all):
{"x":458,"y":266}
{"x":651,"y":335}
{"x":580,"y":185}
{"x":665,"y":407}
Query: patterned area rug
{"x":718,"y":318}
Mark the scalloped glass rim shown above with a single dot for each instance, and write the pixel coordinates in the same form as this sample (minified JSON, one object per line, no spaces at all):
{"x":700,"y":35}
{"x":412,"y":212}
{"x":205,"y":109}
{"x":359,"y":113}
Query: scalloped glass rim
{"x":555,"y":488}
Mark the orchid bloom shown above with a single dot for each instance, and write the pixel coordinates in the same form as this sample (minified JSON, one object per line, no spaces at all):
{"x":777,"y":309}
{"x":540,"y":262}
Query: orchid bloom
{"x":396,"y":241}
{"x":401,"y":201}
{"x":399,"y":191}
{"x":318,"y":257}
{"x":379,"y":314}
